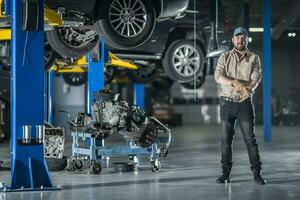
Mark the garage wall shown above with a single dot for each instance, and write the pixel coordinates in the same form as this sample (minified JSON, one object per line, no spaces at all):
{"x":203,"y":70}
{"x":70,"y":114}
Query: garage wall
{"x":205,"y":108}
{"x":285,"y":64}
{"x":67,"y":98}
{"x":285,"y":75}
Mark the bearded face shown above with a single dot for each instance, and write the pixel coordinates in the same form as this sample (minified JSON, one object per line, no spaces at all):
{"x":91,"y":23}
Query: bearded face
{"x":240,"y":42}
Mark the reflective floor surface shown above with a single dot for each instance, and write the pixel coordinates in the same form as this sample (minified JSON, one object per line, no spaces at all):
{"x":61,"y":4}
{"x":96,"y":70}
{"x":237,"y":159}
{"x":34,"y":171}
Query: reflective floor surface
{"x":189,"y":171}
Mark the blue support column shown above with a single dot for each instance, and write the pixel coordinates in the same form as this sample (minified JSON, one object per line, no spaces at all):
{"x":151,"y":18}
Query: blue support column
{"x":7,"y":7}
{"x":267,"y":72}
{"x":96,"y":72}
{"x":139,"y":95}
{"x":28,"y":167}
{"x":96,"y":62}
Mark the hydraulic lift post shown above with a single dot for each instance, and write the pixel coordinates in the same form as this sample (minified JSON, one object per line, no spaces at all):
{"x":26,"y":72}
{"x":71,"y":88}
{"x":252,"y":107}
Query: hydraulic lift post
{"x":139,"y":95}
{"x":7,"y":7}
{"x":29,"y":171}
{"x":96,"y":59}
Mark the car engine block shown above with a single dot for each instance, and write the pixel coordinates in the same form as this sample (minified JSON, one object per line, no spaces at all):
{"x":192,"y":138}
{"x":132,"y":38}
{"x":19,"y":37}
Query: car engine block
{"x":111,"y":115}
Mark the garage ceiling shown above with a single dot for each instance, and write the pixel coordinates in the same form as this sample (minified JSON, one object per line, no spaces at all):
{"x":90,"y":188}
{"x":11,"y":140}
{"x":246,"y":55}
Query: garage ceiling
{"x":285,"y":15}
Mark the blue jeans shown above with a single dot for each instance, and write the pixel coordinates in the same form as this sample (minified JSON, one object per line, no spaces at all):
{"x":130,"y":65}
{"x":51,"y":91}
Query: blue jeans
{"x":243,"y":113}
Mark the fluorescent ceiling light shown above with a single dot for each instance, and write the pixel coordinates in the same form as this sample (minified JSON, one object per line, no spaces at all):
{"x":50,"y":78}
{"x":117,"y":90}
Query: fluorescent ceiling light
{"x":256,"y":29}
{"x":292,"y":34}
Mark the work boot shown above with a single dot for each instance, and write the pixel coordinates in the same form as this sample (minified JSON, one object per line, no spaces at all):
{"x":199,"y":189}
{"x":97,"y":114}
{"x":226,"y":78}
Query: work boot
{"x":225,"y":177}
{"x":258,"y":179}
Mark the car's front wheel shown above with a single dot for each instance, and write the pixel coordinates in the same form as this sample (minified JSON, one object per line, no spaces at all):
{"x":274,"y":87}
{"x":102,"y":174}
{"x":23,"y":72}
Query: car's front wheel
{"x":197,"y":82}
{"x":183,"y":61}
{"x":125,"y":24}
{"x":49,"y":56}
{"x":75,"y":79}
{"x":194,"y":84}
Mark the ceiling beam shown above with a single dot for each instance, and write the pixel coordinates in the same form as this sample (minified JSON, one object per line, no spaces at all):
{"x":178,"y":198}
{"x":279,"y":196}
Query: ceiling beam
{"x":290,"y":16}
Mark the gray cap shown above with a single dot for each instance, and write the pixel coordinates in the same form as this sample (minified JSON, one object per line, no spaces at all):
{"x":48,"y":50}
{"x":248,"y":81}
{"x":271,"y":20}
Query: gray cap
{"x":240,"y":31}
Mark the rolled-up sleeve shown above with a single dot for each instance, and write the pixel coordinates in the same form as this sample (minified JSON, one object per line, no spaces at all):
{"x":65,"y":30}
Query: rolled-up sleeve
{"x":257,"y":71}
{"x":220,"y":68}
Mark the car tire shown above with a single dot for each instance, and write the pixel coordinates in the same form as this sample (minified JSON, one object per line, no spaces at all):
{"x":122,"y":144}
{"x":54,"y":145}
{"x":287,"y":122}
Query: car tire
{"x":112,"y":30}
{"x":162,"y":84}
{"x":192,"y":85}
{"x":71,"y":49}
{"x":75,"y":79}
{"x":109,"y":74}
{"x":144,"y":75}
{"x":49,"y":56}
{"x":183,"y":72}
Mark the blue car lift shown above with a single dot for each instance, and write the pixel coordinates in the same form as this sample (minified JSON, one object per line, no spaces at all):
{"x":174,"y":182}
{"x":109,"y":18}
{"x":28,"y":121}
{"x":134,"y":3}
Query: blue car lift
{"x":96,"y":150}
{"x":267,"y":71}
{"x":139,"y":95}
{"x":29,"y":170}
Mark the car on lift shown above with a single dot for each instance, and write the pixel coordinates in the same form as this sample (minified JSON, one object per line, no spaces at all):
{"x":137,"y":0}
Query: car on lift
{"x":180,"y":48}
{"x":123,"y":24}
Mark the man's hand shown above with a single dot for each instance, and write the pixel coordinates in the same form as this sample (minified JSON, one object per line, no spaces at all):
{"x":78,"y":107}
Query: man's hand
{"x":238,"y":86}
{"x":243,"y":91}
{"x":245,"y":94}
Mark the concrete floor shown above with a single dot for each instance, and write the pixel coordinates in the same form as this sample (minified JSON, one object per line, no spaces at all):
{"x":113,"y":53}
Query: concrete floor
{"x":189,"y":172}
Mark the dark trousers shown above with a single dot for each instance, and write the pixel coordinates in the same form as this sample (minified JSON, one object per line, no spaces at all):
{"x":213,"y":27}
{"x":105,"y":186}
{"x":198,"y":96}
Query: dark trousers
{"x":243,"y":113}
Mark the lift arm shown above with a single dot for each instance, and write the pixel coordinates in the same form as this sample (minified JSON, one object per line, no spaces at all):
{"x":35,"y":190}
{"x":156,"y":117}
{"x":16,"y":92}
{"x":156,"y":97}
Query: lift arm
{"x":52,"y":18}
{"x":5,"y":34}
{"x":80,"y":65}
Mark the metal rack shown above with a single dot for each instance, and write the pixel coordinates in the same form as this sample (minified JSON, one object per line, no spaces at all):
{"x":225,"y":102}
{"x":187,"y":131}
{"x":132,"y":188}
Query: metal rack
{"x":94,"y":152}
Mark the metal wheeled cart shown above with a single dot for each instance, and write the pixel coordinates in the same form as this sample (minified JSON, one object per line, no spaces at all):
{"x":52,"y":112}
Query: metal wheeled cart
{"x":93,"y":152}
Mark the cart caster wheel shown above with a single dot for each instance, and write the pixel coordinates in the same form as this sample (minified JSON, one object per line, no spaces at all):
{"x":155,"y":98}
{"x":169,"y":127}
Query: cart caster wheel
{"x":134,"y":160}
{"x":71,"y":165}
{"x":95,"y":167}
{"x":78,"y":164}
{"x":155,"y":166}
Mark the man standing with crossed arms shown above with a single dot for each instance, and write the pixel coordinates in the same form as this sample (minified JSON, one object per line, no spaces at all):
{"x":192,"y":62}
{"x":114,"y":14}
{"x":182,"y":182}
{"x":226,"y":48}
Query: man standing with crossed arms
{"x":238,"y":73}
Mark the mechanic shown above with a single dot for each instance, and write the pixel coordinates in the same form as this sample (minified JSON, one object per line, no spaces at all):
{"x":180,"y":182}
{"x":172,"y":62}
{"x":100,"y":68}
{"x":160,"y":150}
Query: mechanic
{"x":238,"y":72}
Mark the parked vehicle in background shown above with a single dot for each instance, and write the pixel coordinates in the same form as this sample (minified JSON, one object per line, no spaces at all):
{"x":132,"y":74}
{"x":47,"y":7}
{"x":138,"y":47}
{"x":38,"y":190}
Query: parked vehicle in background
{"x":179,"y":48}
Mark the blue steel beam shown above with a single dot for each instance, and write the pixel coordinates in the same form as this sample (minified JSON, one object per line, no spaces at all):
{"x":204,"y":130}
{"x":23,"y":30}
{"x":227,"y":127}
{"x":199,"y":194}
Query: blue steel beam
{"x":267,"y":72}
{"x":28,"y":167}
{"x":7,"y":7}
{"x":139,"y":95}
{"x":95,"y":82}
{"x":96,"y":73}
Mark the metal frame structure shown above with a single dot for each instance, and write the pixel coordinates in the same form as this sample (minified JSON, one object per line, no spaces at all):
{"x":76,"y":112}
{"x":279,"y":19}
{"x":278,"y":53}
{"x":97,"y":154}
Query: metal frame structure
{"x":94,"y":151}
{"x":267,"y":71}
{"x":29,"y":170}
{"x":96,"y":63}
{"x":139,"y":95}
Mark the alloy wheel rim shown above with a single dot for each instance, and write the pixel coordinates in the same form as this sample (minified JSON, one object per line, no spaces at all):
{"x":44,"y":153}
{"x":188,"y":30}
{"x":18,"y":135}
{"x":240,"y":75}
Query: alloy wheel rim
{"x":128,"y":18}
{"x":186,"y":60}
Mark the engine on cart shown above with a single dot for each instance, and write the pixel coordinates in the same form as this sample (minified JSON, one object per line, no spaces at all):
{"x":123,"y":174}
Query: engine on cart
{"x":112,"y":115}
